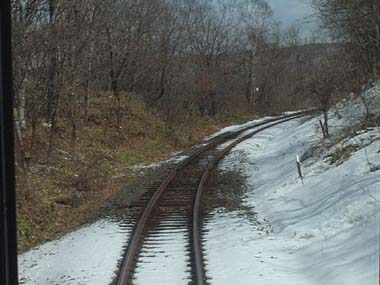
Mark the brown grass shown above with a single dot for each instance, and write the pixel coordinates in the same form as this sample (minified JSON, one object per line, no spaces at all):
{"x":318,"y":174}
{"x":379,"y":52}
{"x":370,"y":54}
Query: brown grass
{"x":65,"y":190}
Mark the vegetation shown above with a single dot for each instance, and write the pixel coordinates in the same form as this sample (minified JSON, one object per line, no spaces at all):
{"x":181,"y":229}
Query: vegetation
{"x":61,"y":191}
{"x":355,"y":26}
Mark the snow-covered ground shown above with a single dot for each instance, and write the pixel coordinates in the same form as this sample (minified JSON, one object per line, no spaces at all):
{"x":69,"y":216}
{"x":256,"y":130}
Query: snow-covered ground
{"x":323,"y":232}
{"x":86,"y":256}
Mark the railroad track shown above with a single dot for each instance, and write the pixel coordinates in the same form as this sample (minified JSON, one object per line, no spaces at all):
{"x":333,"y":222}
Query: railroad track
{"x":174,"y":204}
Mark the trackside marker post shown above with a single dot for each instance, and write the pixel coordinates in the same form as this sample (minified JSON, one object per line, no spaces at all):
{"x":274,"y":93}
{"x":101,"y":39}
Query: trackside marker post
{"x":299,"y":168}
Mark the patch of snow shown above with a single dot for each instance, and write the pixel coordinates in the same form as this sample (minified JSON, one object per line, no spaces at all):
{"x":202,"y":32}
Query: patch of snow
{"x":155,"y":165}
{"x":235,"y":128}
{"x":89,"y":255}
{"x":352,"y":112}
{"x":229,"y":142}
{"x":241,"y":253}
{"x":290,"y":112}
{"x":162,"y":260}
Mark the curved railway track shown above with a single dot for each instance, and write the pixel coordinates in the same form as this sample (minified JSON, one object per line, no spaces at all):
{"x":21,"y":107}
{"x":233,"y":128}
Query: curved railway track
{"x":175,"y":203}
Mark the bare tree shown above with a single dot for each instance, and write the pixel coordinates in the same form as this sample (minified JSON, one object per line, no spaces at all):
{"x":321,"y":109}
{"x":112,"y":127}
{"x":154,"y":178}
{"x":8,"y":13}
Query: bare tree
{"x":356,"y":22}
{"x":210,"y":32}
{"x":256,"y":17}
{"x":327,"y":82}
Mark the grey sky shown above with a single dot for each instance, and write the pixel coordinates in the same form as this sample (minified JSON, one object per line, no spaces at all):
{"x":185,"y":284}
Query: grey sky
{"x":291,"y":11}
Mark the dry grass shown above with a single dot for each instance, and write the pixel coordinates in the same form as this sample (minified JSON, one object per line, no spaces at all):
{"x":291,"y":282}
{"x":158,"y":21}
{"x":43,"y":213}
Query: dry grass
{"x":65,"y":190}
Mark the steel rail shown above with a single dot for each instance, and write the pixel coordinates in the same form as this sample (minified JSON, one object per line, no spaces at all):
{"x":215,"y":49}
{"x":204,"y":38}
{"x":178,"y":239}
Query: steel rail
{"x":198,"y":266}
{"x":126,"y":269}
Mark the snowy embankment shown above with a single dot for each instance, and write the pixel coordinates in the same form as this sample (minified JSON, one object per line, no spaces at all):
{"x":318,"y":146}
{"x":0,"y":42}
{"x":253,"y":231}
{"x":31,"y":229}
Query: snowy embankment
{"x":87,"y":256}
{"x":323,"y":232}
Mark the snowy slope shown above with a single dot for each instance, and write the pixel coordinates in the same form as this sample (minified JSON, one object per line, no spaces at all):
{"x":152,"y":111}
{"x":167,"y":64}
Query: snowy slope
{"x":323,"y":232}
{"x":86,"y":256}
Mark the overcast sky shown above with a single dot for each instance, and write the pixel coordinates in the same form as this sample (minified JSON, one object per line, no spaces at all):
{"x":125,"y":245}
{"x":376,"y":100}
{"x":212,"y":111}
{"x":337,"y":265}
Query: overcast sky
{"x":291,"y":11}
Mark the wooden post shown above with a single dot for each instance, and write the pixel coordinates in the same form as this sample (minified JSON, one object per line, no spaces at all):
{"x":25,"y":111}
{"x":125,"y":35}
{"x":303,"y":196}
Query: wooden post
{"x":299,"y":168}
{"x":323,"y":129}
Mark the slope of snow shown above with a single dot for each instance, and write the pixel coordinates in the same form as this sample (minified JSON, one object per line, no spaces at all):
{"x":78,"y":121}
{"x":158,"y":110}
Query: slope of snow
{"x":323,"y":232}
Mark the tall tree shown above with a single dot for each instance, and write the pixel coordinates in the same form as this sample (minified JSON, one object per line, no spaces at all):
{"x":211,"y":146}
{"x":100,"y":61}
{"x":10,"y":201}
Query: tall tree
{"x":356,"y":22}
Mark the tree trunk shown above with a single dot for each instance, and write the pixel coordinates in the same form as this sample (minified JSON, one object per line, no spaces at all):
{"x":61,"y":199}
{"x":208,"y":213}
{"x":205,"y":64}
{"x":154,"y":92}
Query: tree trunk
{"x":325,"y":123}
{"x":21,"y":108}
{"x":249,"y":88}
{"x":74,"y":123}
{"x":88,"y":87}
{"x":252,"y":87}
{"x":21,"y":147}
{"x":116,"y":93}
{"x":51,"y":94}
{"x":51,"y":90}
{"x":54,"y":123}
{"x":87,"y":103}
{"x":114,"y":81}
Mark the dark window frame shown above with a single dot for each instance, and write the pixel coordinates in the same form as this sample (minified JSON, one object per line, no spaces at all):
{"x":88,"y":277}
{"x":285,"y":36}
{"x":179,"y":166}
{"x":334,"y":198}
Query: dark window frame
{"x":8,"y":228}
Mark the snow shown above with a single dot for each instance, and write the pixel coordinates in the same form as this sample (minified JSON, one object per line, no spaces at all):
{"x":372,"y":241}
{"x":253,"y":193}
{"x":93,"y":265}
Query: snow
{"x":238,"y":254}
{"x":164,"y":255}
{"x":235,"y":128}
{"x":323,"y":232}
{"x":174,"y":159}
{"x":86,"y":256}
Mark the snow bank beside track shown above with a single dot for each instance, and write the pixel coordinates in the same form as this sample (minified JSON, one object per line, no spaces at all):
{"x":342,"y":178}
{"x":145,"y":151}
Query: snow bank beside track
{"x":323,"y":232}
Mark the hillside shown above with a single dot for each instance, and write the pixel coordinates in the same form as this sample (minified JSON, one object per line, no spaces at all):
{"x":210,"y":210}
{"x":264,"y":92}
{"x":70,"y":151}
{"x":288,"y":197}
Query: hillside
{"x":66,"y":189}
